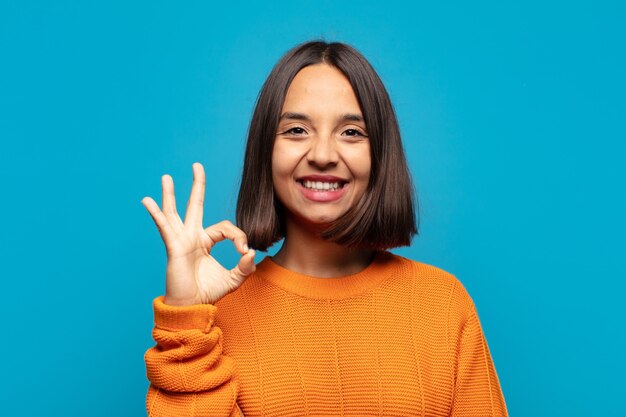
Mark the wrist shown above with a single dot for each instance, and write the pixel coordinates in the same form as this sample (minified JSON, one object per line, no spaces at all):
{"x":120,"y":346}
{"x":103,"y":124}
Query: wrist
{"x":175,"y":318}
{"x":179,"y":302}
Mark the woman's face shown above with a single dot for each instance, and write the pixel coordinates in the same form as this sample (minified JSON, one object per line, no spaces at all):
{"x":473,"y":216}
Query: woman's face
{"x":321,"y":157}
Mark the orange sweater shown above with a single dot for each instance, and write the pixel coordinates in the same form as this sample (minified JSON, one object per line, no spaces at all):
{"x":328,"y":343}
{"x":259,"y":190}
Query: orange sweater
{"x":400,"y":338}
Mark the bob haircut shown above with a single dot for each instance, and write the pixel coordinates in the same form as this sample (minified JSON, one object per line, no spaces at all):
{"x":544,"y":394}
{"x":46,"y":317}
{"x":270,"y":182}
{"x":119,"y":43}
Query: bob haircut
{"x":384,"y":217}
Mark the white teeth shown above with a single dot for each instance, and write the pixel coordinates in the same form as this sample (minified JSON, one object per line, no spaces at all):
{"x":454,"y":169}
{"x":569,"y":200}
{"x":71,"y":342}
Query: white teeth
{"x":321,"y":186}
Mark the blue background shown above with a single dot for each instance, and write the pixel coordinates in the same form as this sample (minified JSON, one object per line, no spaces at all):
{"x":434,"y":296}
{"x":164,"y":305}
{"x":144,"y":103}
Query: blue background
{"x":513,"y":118}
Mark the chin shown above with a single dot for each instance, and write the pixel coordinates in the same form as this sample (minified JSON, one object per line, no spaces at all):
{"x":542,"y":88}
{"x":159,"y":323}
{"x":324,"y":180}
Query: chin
{"x":317,"y":221}
{"x":324,"y":220}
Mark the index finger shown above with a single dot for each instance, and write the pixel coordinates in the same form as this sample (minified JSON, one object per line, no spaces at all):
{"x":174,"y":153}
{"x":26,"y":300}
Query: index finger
{"x":195,"y":206}
{"x":227,"y":230}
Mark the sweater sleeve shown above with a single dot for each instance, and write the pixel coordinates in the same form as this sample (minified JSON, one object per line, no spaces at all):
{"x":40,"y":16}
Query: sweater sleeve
{"x":477,"y":391}
{"x":188,"y":374}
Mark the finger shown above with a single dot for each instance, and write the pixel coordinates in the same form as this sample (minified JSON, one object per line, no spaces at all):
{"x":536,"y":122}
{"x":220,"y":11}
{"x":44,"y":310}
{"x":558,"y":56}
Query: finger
{"x":159,"y":218}
{"x":227,"y":230}
{"x":245,"y":266}
{"x":169,"y":199}
{"x":195,"y":205}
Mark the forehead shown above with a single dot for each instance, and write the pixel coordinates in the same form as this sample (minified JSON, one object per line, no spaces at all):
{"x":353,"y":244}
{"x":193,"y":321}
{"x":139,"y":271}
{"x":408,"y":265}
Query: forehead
{"x":320,"y":88}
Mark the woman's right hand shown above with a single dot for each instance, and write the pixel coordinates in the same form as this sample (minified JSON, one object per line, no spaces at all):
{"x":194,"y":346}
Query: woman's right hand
{"x":193,"y":276}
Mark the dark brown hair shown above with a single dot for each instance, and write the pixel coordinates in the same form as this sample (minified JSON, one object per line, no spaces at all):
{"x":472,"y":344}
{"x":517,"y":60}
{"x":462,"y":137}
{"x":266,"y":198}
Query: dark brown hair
{"x":384,"y":217}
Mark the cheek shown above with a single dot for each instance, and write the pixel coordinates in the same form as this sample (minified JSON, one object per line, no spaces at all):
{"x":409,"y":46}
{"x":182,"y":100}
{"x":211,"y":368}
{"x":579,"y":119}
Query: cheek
{"x":282,"y":173}
{"x":284,"y":160}
{"x":366,"y":168}
{"x":279,"y":169}
{"x":277,"y":163}
{"x":360,"y":163}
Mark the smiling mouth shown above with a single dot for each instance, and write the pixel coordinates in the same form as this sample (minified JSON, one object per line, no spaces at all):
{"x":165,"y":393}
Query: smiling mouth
{"x":322,"y":185}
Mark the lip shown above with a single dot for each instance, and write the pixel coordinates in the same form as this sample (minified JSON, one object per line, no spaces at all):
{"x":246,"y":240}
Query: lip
{"x":322,"y":196}
{"x":323,"y":178}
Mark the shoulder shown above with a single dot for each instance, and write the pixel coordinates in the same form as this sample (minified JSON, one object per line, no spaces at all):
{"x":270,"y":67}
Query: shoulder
{"x":438,"y":286}
{"x":426,"y":270}
{"x":425,"y":273}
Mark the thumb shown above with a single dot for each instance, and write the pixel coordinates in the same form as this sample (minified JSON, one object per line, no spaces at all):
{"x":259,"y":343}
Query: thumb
{"x":245,"y":266}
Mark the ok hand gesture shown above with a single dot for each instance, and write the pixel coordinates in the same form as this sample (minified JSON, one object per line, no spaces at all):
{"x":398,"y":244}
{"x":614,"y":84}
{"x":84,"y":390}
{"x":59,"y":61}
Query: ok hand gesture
{"x":193,"y":276}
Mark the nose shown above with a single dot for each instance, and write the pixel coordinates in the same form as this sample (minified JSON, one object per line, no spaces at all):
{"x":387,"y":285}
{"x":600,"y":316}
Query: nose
{"x":323,"y":151}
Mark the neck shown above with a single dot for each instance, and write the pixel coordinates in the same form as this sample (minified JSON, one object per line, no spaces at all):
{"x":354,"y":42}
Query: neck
{"x":303,"y":251}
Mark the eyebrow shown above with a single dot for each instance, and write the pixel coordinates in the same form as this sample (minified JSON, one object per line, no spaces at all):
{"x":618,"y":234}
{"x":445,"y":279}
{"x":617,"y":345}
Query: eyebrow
{"x":299,"y":116}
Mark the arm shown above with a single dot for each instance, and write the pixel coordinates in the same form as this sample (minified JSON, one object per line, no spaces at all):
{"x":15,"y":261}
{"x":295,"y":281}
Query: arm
{"x":188,"y":374}
{"x":477,"y":390}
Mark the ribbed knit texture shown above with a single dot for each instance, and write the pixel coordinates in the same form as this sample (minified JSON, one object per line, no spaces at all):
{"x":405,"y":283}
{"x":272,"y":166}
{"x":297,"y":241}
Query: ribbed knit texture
{"x":400,"y":338}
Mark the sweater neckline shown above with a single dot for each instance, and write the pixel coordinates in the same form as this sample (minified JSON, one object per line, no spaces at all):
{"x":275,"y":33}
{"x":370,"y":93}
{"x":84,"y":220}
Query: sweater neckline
{"x":334,"y":288}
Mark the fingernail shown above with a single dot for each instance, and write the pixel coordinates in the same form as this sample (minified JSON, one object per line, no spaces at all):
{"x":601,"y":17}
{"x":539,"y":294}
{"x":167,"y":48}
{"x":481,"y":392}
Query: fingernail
{"x":245,"y":248}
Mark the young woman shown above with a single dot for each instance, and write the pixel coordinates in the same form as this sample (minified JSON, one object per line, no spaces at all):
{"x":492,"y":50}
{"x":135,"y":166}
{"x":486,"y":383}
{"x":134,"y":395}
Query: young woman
{"x":333,"y":324}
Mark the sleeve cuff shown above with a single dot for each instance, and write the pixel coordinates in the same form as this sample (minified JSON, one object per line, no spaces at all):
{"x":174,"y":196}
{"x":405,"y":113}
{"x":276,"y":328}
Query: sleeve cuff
{"x":197,"y":316}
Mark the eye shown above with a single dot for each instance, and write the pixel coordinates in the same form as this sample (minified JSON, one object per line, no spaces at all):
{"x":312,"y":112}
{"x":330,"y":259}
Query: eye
{"x":295,"y":131}
{"x":355,"y":133}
